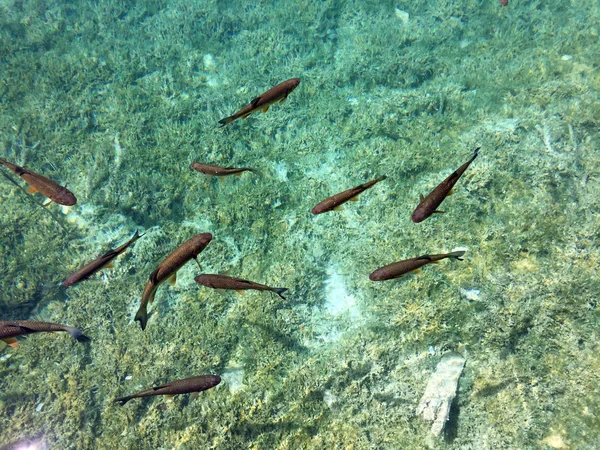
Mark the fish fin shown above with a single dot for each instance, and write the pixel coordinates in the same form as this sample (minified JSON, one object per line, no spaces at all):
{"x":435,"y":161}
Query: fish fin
{"x":170,"y":395}
{"x":338,"y":208}
{"x":256,"y":172}
{"x":31,"y":190}
{"x":151,"y":297}
{"x":142,"y":315}
{"x":198,"y":262}
{"x":435,"y":262}
{"x":194,"y":396}
{"x":421,"y":198}
{"x":239,"y":291}
{"x":280,"y":291}
{"x":245,"y":116}
{"x":265,"y":109}
{"x":283,"y":99}
{"x":12,"y":342}
{"x":2,"y":345}
{"x":136,"y":236}
{"x":108,"y":265}
{"x":354,"y":199}
{"x":173,"y":279}
{"x":239,"y":174}
{"x":64,"y":209}
{"x":255,"y":100}
{"x":123,"y":400}
{"x":226,"y":121}
{"x":77,"y":334}
{"x":450,"y":193}
{"x":457,"y":255}
{"x":439,"y":212}
{"x":46,"y":202}
{"x":153,"y":278}
{"x":416,"y":271}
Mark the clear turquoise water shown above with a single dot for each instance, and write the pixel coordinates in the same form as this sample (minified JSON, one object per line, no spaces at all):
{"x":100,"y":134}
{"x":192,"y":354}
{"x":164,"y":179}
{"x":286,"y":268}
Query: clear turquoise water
{"x":116,"y":99}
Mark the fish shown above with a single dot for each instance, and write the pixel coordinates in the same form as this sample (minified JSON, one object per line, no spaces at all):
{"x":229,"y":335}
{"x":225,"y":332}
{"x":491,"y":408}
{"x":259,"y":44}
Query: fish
{"x":397,"y":269}
{"x":226,"y":282}
{"x":209,"y":169}
{"x":99,"y":263}
{"x":428,"y":205}
{"x":11,"y":329}
{"x":276,"y":94}
{"x":167,"y":269}
{"x":334,"y":202}
{"x":185,"y":386}
{"x":45,"y":186}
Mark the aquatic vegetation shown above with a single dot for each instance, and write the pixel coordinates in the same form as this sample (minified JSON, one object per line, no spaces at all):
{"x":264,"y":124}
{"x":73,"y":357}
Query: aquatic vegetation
{"x":116,"y":101}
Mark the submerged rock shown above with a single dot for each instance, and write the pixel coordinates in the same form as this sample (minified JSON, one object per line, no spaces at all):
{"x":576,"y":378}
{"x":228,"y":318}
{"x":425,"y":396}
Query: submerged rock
{"x":441,"y":390}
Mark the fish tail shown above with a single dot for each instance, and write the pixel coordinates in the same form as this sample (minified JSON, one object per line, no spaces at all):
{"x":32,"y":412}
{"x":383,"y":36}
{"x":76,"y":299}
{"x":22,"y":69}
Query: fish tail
{"x":77,"y":334}
{"x":457,"y":254}
{"x":257,"y":172}
{"x":280,"y":291}
{"x":142,"y":316}
{"x":136,"y":236}
{"x":123,"y":400}
{"x":226,"y":121}
{"x":381,"y":178}
{"x":475,"y":153}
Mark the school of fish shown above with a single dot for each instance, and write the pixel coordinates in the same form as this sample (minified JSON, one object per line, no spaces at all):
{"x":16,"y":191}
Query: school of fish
{"x":192,"y":247}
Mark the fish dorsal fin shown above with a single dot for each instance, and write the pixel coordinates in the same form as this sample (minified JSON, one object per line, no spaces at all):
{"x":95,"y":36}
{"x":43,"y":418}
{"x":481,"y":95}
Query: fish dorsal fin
{"x":354,"y":199}
{"x":255,"y":100}
{"x":152,"y":276}
{"x":265,"y":109}
{"x":421,"y":198}
{"x":173,"y":279}
{"x":194,"y":396}
{"x":156,"y":388}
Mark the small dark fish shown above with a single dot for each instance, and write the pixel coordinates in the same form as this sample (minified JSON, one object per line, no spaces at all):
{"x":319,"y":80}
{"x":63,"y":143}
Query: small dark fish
{"x":397,"y":269}
{"x":43,"y":185}
{"x":336,"y":200}
{"x":185,"y":386}
{"x":11,"y":329}
{"x":168,"y":270}
{"x":209,"y":169}
{"x":99,"y":263}
{"x":237,"y":284}
{"x":429,"y":204}
{"x":276,"y":94}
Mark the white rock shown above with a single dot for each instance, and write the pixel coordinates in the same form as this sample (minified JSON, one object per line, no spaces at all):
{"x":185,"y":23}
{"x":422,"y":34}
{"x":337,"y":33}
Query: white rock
{"x":441,"y":390}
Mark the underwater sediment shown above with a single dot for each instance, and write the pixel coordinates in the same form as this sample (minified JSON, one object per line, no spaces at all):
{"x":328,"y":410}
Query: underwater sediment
{"x":116,"y":100}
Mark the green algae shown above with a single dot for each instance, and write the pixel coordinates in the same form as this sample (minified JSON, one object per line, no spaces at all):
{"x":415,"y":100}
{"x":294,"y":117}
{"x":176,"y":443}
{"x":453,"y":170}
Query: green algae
{"x":117,"y":100}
